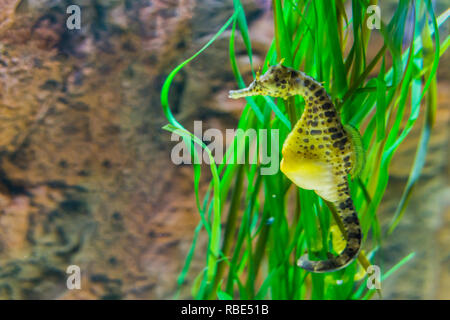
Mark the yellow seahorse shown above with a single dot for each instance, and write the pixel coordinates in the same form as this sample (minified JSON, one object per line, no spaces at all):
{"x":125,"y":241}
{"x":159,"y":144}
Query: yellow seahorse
{"x":318,"y":154}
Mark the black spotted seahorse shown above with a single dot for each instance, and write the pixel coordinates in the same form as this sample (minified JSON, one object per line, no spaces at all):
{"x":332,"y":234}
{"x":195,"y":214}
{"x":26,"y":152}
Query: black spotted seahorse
{"x":318,"y":153}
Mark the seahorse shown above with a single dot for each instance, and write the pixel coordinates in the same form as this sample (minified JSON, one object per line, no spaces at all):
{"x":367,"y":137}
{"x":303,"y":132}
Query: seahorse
{"x":318,"y":154}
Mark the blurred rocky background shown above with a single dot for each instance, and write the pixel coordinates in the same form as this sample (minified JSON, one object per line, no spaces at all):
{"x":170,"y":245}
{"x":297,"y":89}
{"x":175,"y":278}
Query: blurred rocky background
{"x":85,"y":170}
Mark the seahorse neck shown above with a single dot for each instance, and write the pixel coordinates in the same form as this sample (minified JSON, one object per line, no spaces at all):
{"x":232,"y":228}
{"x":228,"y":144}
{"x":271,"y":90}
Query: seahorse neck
{"x":318,"y":106}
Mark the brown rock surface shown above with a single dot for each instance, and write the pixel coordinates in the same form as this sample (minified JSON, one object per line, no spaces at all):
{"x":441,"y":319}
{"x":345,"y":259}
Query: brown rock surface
{"x":85,"y":173}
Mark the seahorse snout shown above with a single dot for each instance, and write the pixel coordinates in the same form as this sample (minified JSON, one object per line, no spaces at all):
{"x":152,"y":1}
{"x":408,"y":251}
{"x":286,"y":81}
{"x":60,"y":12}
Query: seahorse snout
{"x":246,"y":92}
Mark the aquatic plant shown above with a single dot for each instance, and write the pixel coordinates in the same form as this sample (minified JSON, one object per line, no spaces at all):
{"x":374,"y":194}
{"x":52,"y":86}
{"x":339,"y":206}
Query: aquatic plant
{"x":269,"y":222}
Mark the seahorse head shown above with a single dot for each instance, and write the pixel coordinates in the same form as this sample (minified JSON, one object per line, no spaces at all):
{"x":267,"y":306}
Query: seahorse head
{"x":277,"y":81}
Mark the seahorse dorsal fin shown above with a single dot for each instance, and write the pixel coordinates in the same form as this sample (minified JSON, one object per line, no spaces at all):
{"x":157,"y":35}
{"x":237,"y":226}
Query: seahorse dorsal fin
{"x":359,"y":158}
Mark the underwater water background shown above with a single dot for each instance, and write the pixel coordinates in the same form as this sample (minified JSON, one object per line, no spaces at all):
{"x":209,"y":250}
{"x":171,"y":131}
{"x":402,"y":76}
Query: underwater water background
{"x":85,"y":171}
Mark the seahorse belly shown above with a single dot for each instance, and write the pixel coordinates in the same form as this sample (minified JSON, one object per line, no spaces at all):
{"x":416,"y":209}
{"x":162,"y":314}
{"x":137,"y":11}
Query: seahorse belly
{"x":311,"y":175}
